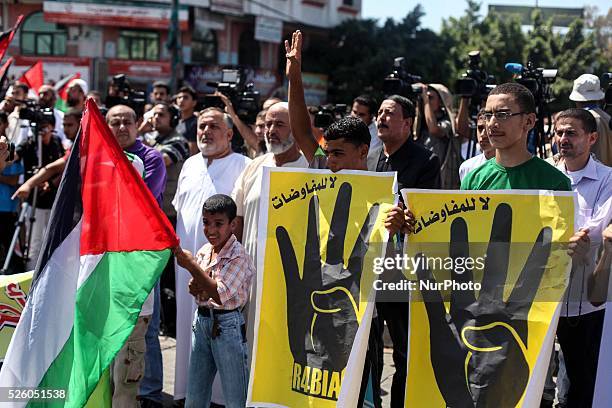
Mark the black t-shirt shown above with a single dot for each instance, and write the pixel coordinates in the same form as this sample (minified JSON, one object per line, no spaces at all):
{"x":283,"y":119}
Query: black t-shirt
{"x":50,"y":153}
{"x":188,"y":128}
{"x":416,"y":166}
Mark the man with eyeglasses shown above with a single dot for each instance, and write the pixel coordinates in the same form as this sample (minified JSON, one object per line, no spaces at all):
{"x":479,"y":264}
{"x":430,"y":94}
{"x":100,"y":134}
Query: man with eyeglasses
{"x":510,"y":115}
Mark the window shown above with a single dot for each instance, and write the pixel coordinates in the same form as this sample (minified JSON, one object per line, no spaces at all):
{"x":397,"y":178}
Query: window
{"x":39,"y":37}
{"x":347,"y":3}
{"x":204,"y":46}
{"x":138,"y":45}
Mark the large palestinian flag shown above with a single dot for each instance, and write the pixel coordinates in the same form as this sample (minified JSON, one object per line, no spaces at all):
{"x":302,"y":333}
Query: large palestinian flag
{"x":106,"y":245}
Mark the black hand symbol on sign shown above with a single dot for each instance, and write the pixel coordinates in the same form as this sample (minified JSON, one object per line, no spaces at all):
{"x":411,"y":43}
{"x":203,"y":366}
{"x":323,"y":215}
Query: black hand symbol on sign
{"x":478,"y":350}
{"x":322,"y":305}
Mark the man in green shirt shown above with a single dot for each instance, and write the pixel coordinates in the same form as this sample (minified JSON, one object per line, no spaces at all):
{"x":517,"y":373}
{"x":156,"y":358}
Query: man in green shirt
{"x":510,"y":115}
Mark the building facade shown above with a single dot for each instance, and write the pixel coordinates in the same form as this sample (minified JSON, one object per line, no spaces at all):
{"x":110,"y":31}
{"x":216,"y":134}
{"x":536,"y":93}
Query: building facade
{"x":101,"y":38}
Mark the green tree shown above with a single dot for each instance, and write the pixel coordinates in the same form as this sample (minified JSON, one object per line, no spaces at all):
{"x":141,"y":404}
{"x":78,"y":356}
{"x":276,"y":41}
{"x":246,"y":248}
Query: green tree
{"x":578,"y":56}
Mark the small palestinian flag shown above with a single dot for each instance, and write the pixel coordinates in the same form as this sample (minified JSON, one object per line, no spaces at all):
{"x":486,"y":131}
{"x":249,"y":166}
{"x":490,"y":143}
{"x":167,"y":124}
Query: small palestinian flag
{"x":106,"y":245}
{"x":7,"y":36}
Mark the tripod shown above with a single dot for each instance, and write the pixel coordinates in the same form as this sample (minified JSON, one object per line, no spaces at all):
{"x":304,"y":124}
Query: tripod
{"x":26,"y":209}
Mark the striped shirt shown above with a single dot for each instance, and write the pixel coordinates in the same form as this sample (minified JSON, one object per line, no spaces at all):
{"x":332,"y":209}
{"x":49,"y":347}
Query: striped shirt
{"x":233,"y":271}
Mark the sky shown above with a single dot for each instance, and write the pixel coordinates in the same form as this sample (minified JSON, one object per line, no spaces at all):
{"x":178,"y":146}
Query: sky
{"x":436,"y":10}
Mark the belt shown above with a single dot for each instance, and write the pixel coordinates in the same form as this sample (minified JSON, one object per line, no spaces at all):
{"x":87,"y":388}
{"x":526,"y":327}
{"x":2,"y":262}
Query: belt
{"x":205,"y":311}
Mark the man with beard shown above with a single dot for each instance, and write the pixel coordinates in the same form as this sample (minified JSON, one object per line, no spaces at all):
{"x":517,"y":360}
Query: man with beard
{"x":283,"y":152}
{"x":213,"y":171}
{"x":580,"y":325}
{"x":77,"y":90}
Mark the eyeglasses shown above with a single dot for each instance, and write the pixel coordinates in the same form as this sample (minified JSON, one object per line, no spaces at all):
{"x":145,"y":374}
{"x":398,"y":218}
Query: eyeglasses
{"x":500,"y":116}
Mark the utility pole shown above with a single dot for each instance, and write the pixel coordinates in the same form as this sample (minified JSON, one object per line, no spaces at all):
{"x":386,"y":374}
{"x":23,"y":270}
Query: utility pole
{"x":174,"y":46}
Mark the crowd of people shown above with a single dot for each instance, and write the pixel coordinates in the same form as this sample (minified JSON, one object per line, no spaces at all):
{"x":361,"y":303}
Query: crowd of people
{"x":211,"y":193}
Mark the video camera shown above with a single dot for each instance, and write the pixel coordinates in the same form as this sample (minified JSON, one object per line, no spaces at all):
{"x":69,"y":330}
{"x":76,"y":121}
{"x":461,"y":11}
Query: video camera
{"x":243,"y":95}
{"x":124,"y":94}
{"x":537,"y":80}
{"x":475,"y":83}
{"x":400,"y":82}
{"x":328,"y":114}
{"x":34,"y":113}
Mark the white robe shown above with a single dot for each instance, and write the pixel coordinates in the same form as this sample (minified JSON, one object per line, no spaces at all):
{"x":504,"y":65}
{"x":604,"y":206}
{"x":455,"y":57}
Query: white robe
{"x":196,"y":183}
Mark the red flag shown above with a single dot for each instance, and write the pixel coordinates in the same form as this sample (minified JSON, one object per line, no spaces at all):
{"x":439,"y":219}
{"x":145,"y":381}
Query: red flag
{"x":4,"y":77}
{"x":7,"y":36}
{"x":34,"y":77}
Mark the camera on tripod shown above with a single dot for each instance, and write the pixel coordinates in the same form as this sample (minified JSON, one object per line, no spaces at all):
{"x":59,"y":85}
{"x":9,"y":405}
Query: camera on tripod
{"x":475,"y":83}
{"x":121,"y":93}
{"x":328,"y":114}
{"x":400,"y":82}
{"x":242,"y":94}
{"x":537,"y":80}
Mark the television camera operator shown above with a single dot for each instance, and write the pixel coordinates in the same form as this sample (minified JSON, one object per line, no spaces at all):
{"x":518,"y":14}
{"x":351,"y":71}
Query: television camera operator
{"x":51,"y":149}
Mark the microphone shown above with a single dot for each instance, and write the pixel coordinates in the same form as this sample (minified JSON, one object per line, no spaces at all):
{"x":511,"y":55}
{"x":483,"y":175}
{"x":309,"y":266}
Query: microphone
{"x":514,"y":68}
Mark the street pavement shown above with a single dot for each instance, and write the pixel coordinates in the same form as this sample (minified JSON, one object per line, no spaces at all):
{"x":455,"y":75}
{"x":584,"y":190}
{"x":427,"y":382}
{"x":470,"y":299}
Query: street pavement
{"x":168,"y":346}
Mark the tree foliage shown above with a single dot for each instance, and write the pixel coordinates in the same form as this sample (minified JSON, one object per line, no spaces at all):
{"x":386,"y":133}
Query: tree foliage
{"x":360,"y":53}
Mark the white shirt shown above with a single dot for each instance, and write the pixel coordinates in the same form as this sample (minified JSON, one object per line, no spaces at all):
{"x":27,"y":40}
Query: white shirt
{"x":471,"y":164}
{"x":593,"y":210}
{"x":197,"y":181}
{"x":247,"y":193}
{"x":375,"y":140}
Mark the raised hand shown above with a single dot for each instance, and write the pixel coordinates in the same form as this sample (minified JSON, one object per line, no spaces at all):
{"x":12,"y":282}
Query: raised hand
{"x":323,"y":301}
{"x":478,"y":349}
{"x":294,"y":54}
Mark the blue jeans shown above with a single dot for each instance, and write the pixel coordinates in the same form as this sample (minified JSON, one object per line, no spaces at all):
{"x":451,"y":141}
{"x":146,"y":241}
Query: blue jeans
{"x":152,"y":383}
{"x":227,"y":353}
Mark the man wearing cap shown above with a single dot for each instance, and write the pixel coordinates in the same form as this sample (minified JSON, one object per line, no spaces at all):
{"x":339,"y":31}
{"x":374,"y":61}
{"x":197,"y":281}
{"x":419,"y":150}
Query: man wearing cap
{"x":77,"y":89}
{"x":588,"y":95}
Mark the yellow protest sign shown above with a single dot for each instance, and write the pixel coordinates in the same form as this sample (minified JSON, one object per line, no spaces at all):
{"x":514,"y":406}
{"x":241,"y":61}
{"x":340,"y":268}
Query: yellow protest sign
{"x":318,"y":233}
{"x":13,"y":292}
{"x":491,"y":269}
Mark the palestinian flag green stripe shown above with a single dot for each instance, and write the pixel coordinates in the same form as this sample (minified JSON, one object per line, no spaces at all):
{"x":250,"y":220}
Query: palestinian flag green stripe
{"x":107,"y":306}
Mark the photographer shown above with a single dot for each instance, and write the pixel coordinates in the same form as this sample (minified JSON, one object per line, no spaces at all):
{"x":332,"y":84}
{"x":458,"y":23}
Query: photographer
{"x":247,"y":133}
{"x":17,"y":128}
{"x":9,"y":176}
{"x":27,"y":151}
{"x":72,"y":119}
{"x":439,"y":133}
{"x":46,"y":100}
